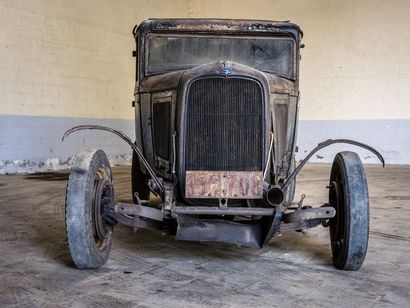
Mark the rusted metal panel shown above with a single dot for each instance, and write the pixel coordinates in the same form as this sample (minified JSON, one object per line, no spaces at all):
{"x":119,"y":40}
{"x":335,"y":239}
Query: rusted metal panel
{"x":219,"y":230}
{"x":224,"y":184}
{"x":218,"y":26}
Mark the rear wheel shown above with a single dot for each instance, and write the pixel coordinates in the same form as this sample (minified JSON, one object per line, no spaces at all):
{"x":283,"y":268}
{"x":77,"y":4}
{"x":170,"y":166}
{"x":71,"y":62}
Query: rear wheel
{"x":348,"y":194}
{"x":89,"y":190}
{"x":139,"y":180}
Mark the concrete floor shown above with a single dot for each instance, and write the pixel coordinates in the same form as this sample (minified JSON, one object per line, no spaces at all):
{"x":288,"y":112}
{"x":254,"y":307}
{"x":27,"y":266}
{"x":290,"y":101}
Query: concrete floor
{"x":149,"y":269}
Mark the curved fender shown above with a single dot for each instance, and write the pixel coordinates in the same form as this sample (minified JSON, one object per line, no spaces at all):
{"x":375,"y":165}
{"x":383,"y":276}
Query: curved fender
{"x":323,"y":145}
{"x":127,"y":140}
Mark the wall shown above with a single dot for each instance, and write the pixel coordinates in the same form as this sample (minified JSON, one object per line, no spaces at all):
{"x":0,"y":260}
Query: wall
{"x":69,"y":62}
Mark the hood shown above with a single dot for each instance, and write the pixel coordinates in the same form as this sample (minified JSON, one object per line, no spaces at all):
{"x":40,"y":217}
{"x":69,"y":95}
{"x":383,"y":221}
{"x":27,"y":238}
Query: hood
{"x":170,"y":80}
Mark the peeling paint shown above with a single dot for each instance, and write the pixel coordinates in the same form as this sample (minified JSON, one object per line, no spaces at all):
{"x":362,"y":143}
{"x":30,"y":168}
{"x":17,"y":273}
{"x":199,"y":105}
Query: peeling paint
{"x":33,"y":144}
{"x":52,"y":164}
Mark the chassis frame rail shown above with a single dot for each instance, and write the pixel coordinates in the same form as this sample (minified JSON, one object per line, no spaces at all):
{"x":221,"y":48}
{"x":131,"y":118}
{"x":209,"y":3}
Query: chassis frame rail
{"x":207,"y":210}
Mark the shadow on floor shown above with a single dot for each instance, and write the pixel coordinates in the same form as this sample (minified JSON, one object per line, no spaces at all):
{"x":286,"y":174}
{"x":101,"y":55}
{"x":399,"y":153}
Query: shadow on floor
{"x":157,"y":244}
{"x":48,"y":176}
{"x":47,"y":219}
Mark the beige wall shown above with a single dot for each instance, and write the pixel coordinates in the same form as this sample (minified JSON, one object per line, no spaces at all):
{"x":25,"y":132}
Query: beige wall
{"x":72,"y":58}
{"x":68,"y":62}
{"x":356,"y":61}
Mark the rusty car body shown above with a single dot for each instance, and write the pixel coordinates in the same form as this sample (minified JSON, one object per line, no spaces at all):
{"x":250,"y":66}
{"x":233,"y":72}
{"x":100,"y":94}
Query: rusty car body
{"x":216,"y":114}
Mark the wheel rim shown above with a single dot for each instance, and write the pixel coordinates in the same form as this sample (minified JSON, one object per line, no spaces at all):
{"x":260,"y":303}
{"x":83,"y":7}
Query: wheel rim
{"x":337,"y":224}
{"x":102,"y":196}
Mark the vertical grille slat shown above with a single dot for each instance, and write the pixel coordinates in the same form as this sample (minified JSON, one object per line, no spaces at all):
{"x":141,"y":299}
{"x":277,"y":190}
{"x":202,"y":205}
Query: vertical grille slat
{"x":224,"y":125}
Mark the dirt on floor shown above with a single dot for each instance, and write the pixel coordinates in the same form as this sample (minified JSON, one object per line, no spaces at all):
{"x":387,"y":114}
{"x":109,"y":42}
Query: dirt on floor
{"x":150,"y":268}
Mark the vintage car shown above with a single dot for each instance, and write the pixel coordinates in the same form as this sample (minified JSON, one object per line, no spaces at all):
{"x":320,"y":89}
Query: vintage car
{"x":216,"y":113}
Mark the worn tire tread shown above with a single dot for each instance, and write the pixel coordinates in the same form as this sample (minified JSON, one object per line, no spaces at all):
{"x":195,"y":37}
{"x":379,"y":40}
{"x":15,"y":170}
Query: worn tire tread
{"x":357,"y":211}
{"x":82,"y":247}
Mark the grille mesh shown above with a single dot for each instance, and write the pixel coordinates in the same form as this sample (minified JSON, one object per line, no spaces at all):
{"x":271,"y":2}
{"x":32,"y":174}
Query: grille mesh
{"x":224,"y":125}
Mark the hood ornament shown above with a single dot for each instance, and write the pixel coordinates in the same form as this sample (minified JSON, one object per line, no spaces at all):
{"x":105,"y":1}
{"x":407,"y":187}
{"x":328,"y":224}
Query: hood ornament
{"x":225,"y":70}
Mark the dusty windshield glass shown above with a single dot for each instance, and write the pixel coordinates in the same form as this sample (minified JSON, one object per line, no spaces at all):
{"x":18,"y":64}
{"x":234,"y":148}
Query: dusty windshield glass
{"x":168,"y":53}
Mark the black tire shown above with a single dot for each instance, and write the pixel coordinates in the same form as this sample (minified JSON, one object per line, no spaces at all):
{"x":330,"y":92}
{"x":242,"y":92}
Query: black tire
{"x":89,"y":189}
{"x":138,"y":180}
{"x":348,"y":194}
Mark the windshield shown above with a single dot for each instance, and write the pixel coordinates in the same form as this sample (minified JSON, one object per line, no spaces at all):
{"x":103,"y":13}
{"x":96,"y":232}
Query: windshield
{"x":176,"y":52}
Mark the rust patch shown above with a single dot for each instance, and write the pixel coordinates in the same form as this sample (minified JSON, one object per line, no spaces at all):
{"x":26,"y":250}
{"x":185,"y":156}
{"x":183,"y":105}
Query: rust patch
{"x":224,"y":184}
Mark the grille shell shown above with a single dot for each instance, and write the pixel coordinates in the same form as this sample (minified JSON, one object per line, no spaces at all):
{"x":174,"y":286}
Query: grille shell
{"x":224,"y":124}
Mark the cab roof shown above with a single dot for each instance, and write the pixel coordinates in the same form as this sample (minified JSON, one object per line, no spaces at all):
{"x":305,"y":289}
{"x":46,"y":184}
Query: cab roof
{"x":223,"y":26}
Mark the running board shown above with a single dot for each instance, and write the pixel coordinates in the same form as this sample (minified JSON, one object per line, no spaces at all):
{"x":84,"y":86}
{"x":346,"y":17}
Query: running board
{"x":218,"y":230}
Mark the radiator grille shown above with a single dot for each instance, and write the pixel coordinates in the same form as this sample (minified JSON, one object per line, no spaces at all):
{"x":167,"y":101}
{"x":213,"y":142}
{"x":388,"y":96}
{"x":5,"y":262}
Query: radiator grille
{"x":224,"y":125}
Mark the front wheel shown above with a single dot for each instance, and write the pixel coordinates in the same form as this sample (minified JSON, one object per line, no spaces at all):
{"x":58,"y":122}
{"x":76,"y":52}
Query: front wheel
{"x":89,"y":190}
{"x":348,"y":194}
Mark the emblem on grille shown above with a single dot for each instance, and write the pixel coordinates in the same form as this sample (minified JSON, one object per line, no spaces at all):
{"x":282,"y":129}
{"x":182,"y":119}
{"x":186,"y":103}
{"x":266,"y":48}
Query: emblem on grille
{"x":225,"y":71}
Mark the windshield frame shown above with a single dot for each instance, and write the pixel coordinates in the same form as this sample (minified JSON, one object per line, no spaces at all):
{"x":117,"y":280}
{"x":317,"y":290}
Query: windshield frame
{"x":147,"y":73}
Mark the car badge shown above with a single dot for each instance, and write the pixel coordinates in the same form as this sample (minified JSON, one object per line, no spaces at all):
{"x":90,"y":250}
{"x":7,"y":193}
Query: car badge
{"x":225,"y":71}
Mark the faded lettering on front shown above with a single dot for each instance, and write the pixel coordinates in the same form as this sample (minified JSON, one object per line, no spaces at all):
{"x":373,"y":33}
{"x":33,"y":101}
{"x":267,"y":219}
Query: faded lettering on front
{"x":224,"y":184}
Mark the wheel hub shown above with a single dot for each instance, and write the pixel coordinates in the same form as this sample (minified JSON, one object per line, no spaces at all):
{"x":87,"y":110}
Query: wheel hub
{"x":337,"y":224}
{"x":102,"y":196}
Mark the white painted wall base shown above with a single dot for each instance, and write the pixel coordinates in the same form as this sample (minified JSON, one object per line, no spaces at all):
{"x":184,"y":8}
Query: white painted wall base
{"x":390,"y":137}
{"x":33,"y":144}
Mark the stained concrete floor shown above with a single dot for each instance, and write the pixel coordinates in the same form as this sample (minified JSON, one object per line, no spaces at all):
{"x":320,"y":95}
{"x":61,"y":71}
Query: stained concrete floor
{"x":149,"y":269}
